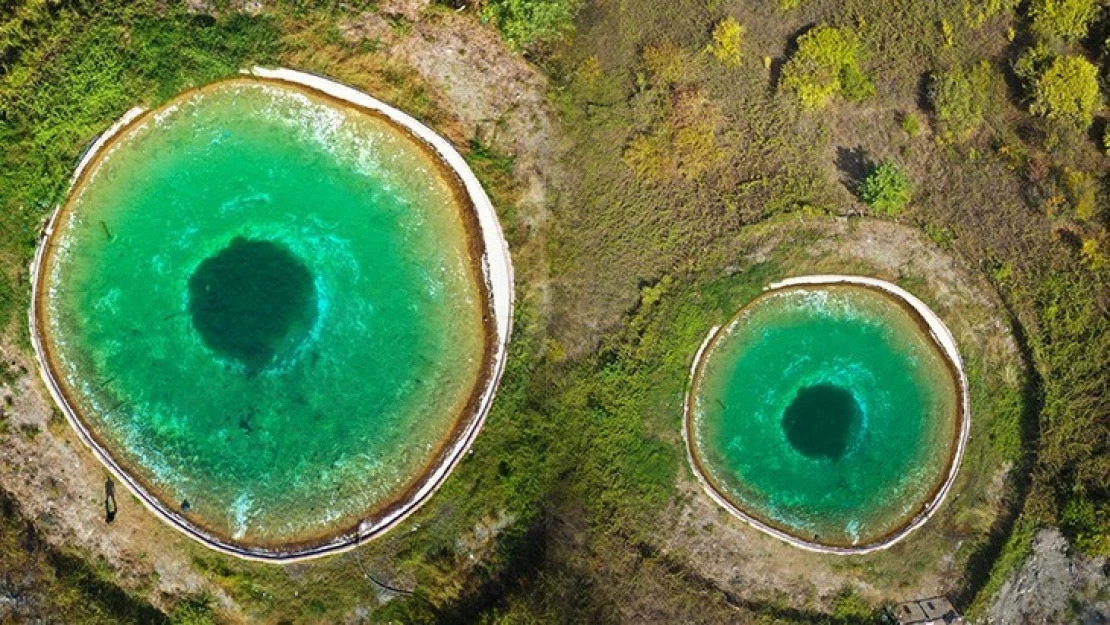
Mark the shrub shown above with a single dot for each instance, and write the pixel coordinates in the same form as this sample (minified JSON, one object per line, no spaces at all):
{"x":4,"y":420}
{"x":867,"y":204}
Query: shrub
{"x":911,"y":124}
{"x":978,"y":11}
{"x":681,"y":144}
{"x":1082,"y":190}
{"x":1094,"y":257}
{"x":528,"y":22}
{"x":886,"y":190}
{"x":854,"y":84}
{"x":957,"y":109}
{"x":648,"y":156}
{"x":665,"y":63}
{"x":728,"y":42}
{"x":1068,"y":20}
{"x":1067,"y":93}
{"x":589,"y":82}
{"x":1088,"y":525}
{"x":826,"y":59}
{"x":1033,"y":63}
{"x":849,"y":607}
{"x":696,"y":150}
{"x":193,"y":611}
{"x":958,"y":97}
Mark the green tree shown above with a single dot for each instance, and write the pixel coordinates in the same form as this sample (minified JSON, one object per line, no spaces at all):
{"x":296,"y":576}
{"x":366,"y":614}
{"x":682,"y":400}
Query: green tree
{"x":825,"y":65}
{"x":728,"y":42}
{"x":527,"y":22}
{"x":886,"y":190}
{"x":1068,"y":20}
{"x":1067,"y":93}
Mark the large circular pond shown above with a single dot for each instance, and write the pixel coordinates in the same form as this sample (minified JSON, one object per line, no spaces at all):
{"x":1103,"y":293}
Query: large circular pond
{"x":279,"y":316}
{"x":829,"y":413}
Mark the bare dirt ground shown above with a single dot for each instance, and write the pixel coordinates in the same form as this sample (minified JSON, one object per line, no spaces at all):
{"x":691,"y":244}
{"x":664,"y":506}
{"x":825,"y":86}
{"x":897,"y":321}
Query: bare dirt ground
{"x":1055,"y":586}
{"x":756,"y":567}
{"x":61,"y":487}
{"x":488,"y":93}
{"x":494,"y":96}
{"x":500,"y":99}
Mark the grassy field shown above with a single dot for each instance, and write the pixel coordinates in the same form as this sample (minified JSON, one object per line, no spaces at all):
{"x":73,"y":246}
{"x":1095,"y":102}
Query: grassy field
{"x":684,"y":184}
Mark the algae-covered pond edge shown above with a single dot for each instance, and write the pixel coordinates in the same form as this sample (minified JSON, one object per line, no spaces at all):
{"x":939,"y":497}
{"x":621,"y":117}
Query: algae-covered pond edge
{"x":940,"y":335}
{"x":497,"y":281}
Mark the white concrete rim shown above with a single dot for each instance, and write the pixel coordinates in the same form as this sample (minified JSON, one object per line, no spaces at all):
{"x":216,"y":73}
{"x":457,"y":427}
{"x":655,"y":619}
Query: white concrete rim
{"x":497,"y":272}
{"x":943,"y":339}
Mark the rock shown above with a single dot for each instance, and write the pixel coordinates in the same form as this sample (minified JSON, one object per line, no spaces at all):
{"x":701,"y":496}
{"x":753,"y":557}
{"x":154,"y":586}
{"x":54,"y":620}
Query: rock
{"x":408,"y":9}
{"x":1054,"y":586}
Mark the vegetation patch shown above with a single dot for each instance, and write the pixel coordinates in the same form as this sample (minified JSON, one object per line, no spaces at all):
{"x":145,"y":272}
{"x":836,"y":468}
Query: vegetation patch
{"x":1067,"y":93}
{"x":826,"y":64}
{"x":886,"y":189}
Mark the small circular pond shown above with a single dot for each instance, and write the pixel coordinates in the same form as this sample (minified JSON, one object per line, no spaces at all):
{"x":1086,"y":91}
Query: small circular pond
{"x":829,"y":412}
{"x":277,"y":309}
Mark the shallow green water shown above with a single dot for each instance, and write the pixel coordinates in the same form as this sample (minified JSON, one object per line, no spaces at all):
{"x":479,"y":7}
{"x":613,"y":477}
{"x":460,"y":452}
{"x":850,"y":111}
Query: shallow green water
{"x":826,"y":412}
{"x":265,"y":305}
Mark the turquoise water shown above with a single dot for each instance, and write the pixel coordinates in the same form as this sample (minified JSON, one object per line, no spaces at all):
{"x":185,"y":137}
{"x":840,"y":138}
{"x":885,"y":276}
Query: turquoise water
{"x":266,"y":306}
{"x":826,"y":412}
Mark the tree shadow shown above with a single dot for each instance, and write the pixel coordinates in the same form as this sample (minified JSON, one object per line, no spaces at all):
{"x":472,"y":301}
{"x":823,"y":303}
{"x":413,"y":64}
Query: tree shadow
{"x":924,"y":83}
{"x":1015,"y":86}
{"x":1097,"y":131}
{"x":854,"y":167}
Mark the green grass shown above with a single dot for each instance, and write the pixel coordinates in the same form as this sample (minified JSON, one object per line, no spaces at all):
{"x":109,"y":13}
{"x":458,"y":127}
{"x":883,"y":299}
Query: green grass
{"x":74,"y":72}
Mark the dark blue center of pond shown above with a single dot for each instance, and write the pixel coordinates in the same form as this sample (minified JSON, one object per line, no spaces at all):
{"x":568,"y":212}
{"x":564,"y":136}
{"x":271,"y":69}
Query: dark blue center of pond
{"x":251,"y":300}
{"x":820,"y":420}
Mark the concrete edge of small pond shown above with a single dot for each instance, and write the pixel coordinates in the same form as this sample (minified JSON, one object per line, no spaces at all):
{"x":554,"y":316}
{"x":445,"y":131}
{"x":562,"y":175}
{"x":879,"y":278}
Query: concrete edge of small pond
{"x":497,"y":272}
{"x":938,"y":331}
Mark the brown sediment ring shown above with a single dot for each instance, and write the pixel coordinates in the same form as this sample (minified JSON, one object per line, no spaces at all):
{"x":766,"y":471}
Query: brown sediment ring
{"x":929,"y":323}
{"x":493,"y":275}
